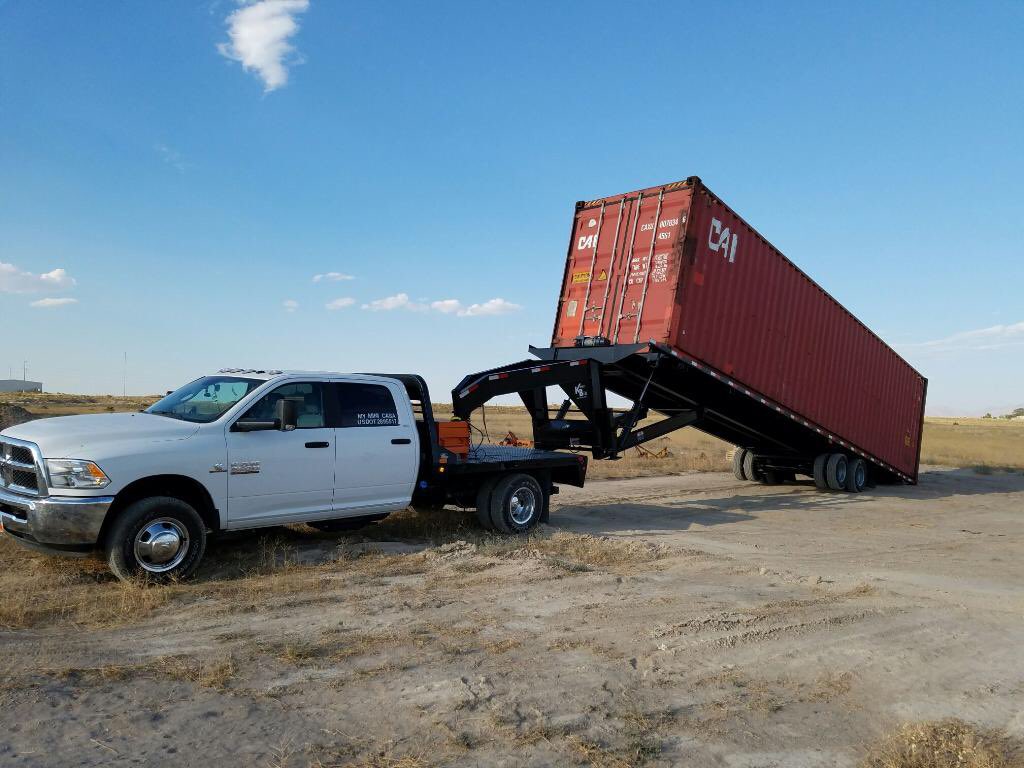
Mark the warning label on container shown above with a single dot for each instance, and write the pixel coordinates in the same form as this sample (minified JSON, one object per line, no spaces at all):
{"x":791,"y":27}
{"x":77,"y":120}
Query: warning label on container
{"x":659,"y":269}
{"x":580,"y":277}
{"x":603,"y":275}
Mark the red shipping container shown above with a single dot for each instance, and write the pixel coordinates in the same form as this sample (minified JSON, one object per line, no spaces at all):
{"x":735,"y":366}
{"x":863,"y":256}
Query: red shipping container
{"x":675,"y":265}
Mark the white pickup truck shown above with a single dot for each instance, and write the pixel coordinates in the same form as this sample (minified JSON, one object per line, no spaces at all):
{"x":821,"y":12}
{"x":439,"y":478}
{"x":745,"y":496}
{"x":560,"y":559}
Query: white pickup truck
{"x":245,"y":449}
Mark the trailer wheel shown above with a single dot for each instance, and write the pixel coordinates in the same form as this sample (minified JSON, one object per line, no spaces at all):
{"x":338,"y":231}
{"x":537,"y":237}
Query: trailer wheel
{"x":820,"y":480}
{"x":856,"y":475}
{"x":750,"y":471}
{"x":483,"y":503}
{"x":772,"y":477}
{"x":836,"y":471}
{"x":517,"y":503}
{"x":737,"y":463}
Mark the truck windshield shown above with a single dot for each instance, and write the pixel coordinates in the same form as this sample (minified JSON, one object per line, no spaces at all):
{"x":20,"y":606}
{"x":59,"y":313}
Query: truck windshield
{"x":204,"y":400}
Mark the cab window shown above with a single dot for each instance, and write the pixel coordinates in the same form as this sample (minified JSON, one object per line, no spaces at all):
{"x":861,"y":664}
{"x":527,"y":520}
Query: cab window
{"x":365,"y":405}
{"x":204,"y":400}
{"x":309,"y":404}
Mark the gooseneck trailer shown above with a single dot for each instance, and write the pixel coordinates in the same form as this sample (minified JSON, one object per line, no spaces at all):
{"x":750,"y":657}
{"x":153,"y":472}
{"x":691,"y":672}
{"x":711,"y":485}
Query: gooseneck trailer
{"x":672,"y":301}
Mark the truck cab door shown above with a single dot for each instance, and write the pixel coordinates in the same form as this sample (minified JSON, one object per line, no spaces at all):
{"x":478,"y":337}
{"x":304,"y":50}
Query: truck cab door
{"x":278,"y":477}
{"x":377,"y":458}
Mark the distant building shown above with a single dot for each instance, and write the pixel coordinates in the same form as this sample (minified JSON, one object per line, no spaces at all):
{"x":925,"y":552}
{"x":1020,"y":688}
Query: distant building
{"x":20,"y":385}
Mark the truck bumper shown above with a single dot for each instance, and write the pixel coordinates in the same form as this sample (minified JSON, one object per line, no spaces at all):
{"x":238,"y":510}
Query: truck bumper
{"x":59,"y":524}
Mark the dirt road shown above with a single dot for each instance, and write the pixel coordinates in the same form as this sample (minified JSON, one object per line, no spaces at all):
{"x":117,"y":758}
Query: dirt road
{"x":708,"y":622}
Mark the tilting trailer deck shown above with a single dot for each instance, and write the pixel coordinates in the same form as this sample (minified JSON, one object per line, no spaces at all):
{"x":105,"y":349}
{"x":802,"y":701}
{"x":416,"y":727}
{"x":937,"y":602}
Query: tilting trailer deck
{"x":673,"y":302}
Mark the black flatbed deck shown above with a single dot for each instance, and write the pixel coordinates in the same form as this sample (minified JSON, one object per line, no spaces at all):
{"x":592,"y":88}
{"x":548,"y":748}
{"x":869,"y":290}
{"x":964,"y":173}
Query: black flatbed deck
{"x":488,"y":457}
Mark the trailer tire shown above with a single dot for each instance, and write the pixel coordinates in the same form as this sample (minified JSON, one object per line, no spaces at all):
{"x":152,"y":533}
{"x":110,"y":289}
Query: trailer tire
{"x":856,"y":475}
{"x":772,"y":477}
{"x":750,"y":471}
{"x":483,"y":503}
{"x":160,"y":538}
{"x":820,"y":480}
{"x":517,"y":503}
{"x":836,"y":471}
{"x":737,"y":463}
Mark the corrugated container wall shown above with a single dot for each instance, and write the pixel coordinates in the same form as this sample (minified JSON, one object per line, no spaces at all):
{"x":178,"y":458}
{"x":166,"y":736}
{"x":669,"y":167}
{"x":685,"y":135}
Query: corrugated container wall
{"x":675,"y":265}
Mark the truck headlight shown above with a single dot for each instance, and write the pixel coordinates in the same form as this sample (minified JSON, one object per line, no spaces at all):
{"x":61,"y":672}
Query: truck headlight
{"x":75,"y":473}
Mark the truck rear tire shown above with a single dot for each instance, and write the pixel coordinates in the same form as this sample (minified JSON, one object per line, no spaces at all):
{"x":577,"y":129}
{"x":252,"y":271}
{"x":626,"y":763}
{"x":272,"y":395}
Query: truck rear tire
{"x":483,"y":503}
{"x":159,"y":538}
{"x":836,"y":471}
{"x":517,"y":504}
{"x":737,"y":463}
{"x":820,"y":480}
{"x":856,"y":475}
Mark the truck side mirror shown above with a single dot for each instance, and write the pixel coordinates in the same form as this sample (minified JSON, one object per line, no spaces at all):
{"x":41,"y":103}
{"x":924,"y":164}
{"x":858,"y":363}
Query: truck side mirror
{"x":253,"y":425}
{"x":286,"y":414}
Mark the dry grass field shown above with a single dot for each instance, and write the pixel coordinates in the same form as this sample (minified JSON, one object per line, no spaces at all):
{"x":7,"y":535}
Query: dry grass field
{"x":986,"y":444}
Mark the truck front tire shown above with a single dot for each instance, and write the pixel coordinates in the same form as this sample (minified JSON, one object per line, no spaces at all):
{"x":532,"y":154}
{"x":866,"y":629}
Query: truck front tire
{"x":517,"y":504}
{"x":160,"y":538}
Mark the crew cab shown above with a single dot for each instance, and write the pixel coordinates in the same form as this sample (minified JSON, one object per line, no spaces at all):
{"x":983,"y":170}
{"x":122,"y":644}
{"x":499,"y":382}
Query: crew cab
{"x":242,"y":449}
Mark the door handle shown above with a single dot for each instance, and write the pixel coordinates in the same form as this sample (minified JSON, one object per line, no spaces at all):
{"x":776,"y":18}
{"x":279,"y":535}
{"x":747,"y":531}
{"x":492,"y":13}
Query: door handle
{"x":400,"y":441}
{"x":318,"y":445}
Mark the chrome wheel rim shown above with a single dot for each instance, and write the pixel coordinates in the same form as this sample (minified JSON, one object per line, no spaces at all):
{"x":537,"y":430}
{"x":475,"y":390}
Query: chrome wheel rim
{"x":522,"y":506}
{"x":161,"y":545}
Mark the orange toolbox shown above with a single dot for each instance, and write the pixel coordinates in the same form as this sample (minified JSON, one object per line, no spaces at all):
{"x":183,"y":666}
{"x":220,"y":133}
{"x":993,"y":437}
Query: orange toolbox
{"x":454,"y":436}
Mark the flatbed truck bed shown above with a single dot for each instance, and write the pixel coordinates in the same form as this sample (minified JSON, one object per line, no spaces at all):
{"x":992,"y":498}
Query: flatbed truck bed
{"x":469,"y":480}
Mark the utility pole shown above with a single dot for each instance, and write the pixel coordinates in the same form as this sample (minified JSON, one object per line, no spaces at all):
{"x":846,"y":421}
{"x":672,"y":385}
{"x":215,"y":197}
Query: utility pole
{"x":24,"y":370}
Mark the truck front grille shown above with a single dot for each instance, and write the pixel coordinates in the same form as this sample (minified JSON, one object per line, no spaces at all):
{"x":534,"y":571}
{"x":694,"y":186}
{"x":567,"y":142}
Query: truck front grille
{"x":19,"y":470}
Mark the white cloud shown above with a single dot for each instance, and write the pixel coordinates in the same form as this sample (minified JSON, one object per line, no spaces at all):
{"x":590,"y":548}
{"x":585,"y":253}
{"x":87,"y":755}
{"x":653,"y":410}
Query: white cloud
{"x":447,"y":306}
{"x":259,"y":33}
{"x":993,"y":337}
{"x":332,"y":277}
{"x":347,"y":301}
{"x":444,"y":306}
{"x":46,"y":303}
{"x":290,"y":305}
{"x":398,"y":301}
{"x":14,"y":280}
{"x":492,"y":307}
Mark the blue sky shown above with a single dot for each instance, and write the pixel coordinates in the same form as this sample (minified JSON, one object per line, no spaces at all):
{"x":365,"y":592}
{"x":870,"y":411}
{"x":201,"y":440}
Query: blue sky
{"x":181,"y":170}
